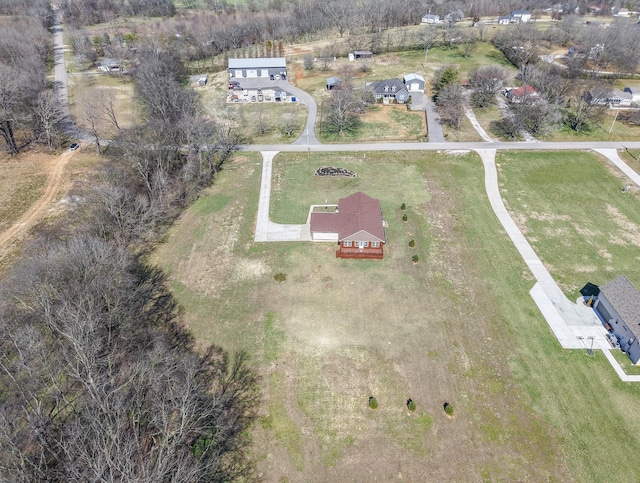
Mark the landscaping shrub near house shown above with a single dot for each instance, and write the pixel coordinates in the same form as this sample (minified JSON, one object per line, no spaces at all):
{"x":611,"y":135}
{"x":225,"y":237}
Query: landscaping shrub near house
{"x":373,"y":403}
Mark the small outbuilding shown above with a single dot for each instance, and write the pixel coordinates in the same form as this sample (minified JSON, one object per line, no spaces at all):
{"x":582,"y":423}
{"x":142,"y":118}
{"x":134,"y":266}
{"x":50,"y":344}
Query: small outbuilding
{"x":414,"y":82}
{"x":362,"y":54}
{"x":333,"y":83}
{"x":198,"y":80}
{"x":525,"y":93}
{"x":257,"y":67}
{"x":504,"y":20}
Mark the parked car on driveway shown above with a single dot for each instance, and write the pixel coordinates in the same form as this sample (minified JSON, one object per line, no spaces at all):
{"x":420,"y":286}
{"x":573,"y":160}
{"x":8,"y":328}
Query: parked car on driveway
{"x":233,"y":84}
{"x":74,"y":146}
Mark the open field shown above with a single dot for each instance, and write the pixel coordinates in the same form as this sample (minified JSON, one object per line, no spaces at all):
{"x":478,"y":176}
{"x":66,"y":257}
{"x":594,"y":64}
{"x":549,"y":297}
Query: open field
{"x":83,"y":89}
{"x":571,"y":208}
{"x":459,"y":326}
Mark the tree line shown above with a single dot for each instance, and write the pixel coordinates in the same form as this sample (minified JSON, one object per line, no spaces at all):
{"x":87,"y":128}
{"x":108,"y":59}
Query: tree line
{"x":99,"y":378}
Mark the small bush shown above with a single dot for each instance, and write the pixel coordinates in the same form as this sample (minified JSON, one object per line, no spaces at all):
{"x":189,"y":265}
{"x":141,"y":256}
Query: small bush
{"x":415,"y":258}
{"x":404,"y":217}
{"x":412,"y":243}
{"x":308,"y":62}
{"x":411,"y":405}
{"x":448,"y":409}
{"x":403,"y":206}
{"x":280,"y":277}
{"x":373,"y":403}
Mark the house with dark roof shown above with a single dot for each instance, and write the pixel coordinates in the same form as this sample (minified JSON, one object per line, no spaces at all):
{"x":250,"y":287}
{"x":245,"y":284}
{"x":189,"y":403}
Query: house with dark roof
{"x":266,"y":67}
{"x":520,"y":16}
{"x":356,"y":225}
{"x":389,"y":90}
{"x":618,"y":305}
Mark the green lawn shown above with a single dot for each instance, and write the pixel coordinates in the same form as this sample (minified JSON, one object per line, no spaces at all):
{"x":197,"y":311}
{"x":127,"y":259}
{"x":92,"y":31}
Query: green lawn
{"x":459,"y":326}
{"x":573,"y":211}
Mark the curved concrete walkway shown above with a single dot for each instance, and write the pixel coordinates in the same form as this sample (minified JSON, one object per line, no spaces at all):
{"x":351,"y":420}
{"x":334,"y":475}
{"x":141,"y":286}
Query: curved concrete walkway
{"x":476,"y":125}
{"x":572,"y":324}
{"x":266,"y":230}
{"x":613,"y":156}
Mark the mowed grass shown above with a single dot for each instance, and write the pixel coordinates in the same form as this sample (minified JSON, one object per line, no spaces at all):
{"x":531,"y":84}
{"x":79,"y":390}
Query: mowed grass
{"x":571,"y":208}
{"x":457,"y":327}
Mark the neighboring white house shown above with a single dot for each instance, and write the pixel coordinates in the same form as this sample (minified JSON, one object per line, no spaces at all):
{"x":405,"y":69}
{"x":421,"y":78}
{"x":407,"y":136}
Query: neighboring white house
{"x":618,"y":305}
{"x":623,"y":12}
{"x":430,"y":19}
{"x":414,"y":82}
{"x":520,"y":16}
{"x":258,"y":67}
{"x":504,"y":20}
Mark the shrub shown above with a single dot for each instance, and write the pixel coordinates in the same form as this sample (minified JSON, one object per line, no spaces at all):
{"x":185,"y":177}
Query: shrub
{"x":411,"y":405}
{"x":412,"y":243}
{"x":403,"y":206}
{"x":373,"y":402}
{"x":404,"y":217}
{"x":280,"y":277}
{"x":415,"y":258}
{"x":308,"y":62}
{"x":448,"y":409}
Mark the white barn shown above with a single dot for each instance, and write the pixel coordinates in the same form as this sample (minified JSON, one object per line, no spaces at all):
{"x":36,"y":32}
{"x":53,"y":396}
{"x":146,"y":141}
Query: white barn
{"x":257,"y":67}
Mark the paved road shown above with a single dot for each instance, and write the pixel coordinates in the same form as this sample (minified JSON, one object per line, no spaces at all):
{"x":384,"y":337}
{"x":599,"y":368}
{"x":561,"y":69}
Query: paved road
{"x":509,"y":146}
{"x":60,"y":72}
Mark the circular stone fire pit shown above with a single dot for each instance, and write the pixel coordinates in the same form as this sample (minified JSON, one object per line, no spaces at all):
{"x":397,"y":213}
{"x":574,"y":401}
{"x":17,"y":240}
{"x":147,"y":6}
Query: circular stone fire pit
{"x":330,"y":171}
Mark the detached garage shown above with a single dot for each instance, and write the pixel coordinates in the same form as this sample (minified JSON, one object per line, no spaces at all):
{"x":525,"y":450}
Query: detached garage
{"x":248,"y":68}
{"x":414,"y":82}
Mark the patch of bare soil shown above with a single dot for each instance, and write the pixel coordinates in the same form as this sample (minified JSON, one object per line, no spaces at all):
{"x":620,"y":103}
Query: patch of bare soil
{"x":53,"y":167}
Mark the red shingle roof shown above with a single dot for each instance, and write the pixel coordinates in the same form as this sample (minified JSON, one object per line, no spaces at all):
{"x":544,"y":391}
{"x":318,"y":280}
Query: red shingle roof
{"x":357,"y":214}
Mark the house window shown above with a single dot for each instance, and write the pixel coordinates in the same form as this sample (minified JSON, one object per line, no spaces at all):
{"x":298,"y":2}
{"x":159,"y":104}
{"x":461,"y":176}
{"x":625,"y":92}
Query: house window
{"x":346,"y":243}
{"x":375,"y":244}
{"x":366,"y":244}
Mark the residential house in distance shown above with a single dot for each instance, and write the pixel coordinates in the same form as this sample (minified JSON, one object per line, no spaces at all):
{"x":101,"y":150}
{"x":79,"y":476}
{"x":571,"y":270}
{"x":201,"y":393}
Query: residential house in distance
{"x":430,"y":19}
{"x":504,"y":20}
{"x":524,"y":93}
{"x":389,"y":90}
{"x":615,"y":98}
{"x":414,"y":82}
{"x":109,"y":65}
{"x":333,"y":83}
{"x":618,"y":305}
{"x":258,"y":67}
{"x":356,"y":225}
{"x":520,"y":16}
{"x":635,"y":94}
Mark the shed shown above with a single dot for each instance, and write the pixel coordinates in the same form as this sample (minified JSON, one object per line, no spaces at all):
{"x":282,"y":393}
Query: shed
{"x":362,"y":54}
{"x":333,"y":83}
{"x":198,"y":80}
{"x":257,"y":67}
{"x":504,"y":20}
{"x":414,"y":82}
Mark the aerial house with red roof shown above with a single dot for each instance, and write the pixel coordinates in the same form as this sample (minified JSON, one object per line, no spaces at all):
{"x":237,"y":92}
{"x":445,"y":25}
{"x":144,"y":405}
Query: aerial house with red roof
{"x":356,"y":225}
